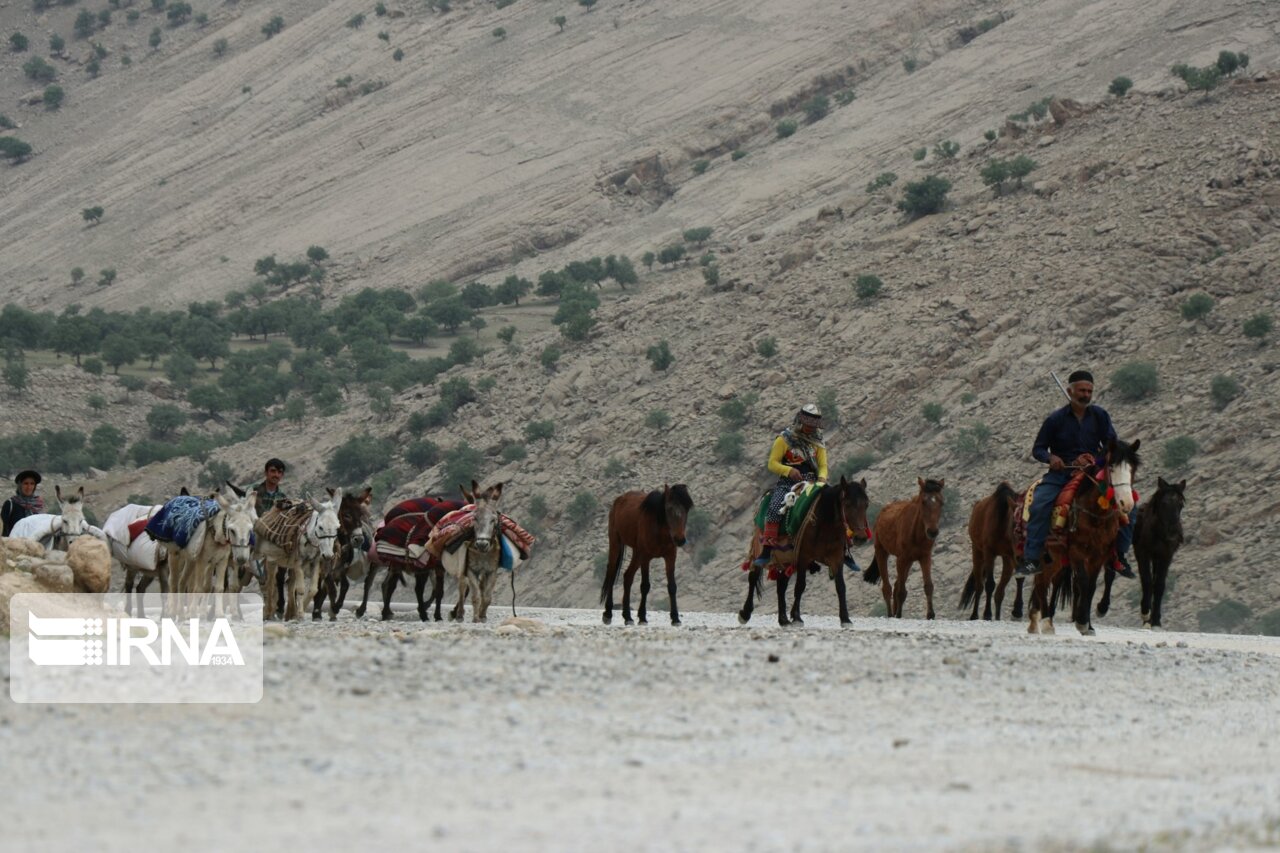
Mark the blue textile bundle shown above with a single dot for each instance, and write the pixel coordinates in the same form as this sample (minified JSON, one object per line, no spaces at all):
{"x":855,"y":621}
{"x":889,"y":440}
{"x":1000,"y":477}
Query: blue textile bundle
{"x":177,"y":519}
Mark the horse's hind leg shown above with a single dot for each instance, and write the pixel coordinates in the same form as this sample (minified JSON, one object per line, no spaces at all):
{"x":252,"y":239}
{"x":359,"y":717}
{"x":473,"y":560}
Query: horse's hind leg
{"x":881,"y":560}
{"x":782,"y":597}
{"x":989,"y":570}
{"x":671,"y":588}
{"x":616,"y":549}
{"x":1016,"y":613}
{"x":643,"y":615}
{"x":841,"y":595}
{"x":627,"y":578}
{"x":1160,"y":569}
{"x":900,"y":587}
{"x":370,"y":575}
{"x":419,"y":586}
{"x":437,"y":590}
{"x":388,"y":588}
{"x":1006,"y":572}
{"x":801,"y":576}
{"x":753,"y":580}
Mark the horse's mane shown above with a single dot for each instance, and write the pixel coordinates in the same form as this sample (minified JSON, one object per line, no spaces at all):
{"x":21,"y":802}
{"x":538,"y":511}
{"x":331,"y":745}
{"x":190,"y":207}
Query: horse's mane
{"x":1126,"y":453}
{"x":827,"y":510}
{"x":655,"y":503}
{"x":932,"y":486}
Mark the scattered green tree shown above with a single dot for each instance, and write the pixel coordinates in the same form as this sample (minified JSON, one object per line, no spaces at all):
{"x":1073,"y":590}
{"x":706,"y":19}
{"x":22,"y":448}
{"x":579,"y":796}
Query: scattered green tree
{"x":14,"y":149}
{"x":499,"y":33}
{"x":1223,"y":617}
{"x":37,"y":69}
{"x":990,"y":135}
{"x":924,"y":197}
{"x":910,"y":64}
{"x":647,"y":259}
{"x":1120,"y":86}
{"x":729,"y":447}
{"x":883,"y":180}
{"x":946,"y":150}
{"x":660,"y":356}
{"x":737,"y":154}
{"x":1223,"y":389}
{"x":582,"y":508}
{"x":972,"y":442}
{"x":1258,"y":327}
{"x":1178,"y":452}
{"x":933,"y":412}
{"x":919,"y":154}
{"x":356,"y":21}
{"x":106,"y":277}
{"x":657,"y":419}
{"x":18,"y":43}
{"x":92,"y":215}
{"x":785,"y":128}
{"x":560,"y":21}
{"x":398,"y":54}
{"x":56,"y":44}
{"x":155,"y":38}
{"x":358,"y":457}
{"x":119,"y":349}
{"x":767,"y":347}
{"x":700,"y":166}
{"x":542,"y":431}
{"x":1197,"y":306}
{"x":816,"y":108}
{"x":164,"y":419}
{"x":550,"y":356}
{"x":53,"y":96}
{"x":867,"y":286}
{"x":1136,"y":380}
{"x":271,"y":28}
{"x":698,"y":235}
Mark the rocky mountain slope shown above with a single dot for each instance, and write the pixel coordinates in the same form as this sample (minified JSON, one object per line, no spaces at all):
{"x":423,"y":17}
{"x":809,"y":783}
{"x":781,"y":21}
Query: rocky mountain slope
{"x":479,"y":153}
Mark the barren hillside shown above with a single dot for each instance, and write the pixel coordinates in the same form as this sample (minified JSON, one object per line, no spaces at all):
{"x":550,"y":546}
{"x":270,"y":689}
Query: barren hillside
{"x":482,"y":156}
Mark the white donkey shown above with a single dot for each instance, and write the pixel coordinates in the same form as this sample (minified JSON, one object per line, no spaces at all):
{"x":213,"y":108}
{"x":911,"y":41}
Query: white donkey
{"x":312,"y":551}
{"x":57,"y":532}
{"x":220,"y":539}
{"x":476,"y":566}
{"x":139,"y":555}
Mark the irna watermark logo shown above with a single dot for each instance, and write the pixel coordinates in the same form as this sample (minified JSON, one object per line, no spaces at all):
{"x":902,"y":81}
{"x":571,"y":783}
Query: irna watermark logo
{"x":86,"y":648}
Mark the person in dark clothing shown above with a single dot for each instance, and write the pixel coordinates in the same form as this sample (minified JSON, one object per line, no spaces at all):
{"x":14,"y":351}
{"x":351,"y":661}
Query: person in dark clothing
{"x":23,"y":503}
{"x":269,"y":491}
{"x":1072,"y":437}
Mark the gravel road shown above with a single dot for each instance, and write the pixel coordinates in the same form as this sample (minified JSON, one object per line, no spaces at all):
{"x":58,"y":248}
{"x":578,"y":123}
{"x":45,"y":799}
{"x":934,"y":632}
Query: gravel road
{"x":567,"y":735}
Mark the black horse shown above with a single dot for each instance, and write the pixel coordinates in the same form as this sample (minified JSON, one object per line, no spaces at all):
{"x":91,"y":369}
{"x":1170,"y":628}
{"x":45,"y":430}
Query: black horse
{"x":1157,"y":535}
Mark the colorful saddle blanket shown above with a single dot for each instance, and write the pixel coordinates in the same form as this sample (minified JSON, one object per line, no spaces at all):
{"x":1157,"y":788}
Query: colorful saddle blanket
{"x":793,"y":512}
{"x":280,"y":524}
{"x":406,"y":527}
{"x":178,"y":519}
{"x":455,"y":527}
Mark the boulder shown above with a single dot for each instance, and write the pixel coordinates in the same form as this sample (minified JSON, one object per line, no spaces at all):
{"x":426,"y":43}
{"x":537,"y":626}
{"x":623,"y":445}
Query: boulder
{"x":90,"y":561}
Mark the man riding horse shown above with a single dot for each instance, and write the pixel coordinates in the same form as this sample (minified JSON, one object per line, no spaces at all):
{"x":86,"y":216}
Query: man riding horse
{"x":1078,"y":432}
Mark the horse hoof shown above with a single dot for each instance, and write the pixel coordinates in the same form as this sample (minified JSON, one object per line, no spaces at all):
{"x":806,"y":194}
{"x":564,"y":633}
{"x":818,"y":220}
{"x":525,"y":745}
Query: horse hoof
{"x":845,"y":622}
{"x":607,"y":618}
{"x":315,"y":617}
{"x":644,"y":621}
{"x":333,"y":617}
{"x":1102,"y":609}
{"x":386,"y":616}
{"x":743,"y":618}
{"x":675,"y":620}
{"x":1085,"y":629}
{"x":359,"y":612}
{"x":424,"y":617}
{"x":1047,"y":629}
{"x":1017,"y":613}
{"x":628,"y":622}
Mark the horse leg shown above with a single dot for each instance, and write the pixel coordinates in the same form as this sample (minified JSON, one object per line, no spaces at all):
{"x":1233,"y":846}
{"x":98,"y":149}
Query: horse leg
{"x":900,"y":586}
{"x":419,"y":586}
{"x":1037,"y":603}
{"x":1157,"y":596}
{"x":142,"y":588}
{"x":437,"y":590}
{"x":1017,"y":598}
{"x":1104,"y":603}
{"x":616,"y":550}
{"x":459,"y":610}
{"x":389,"y":587}
{"x":926,"y":574}
{"x":802,"y":575}
{"x":989,"y":569}
{"x":370,"y":575}
{"x":753,"y":581}
{"x":782,"y":597}
{"x":840,"y":593}
{"x":881,"y":560}
{"x":974,"y":583}
{"x":1085,"y":583}
{"x":269,"y":588}
{"x":627,"y":577}
{"x":1006,"y":572}
{"x":331,"y":590}
{"x":642,"y":616}
{"x":671,"y":588}
{"x":128,"y":593}
{"x":1147,"y":579}
{"x":344,"y":585}
{"x":282,"y":600}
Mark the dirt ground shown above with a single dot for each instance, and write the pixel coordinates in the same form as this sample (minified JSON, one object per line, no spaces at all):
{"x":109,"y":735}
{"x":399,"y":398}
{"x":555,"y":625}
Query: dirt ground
{"x":568,"y":735}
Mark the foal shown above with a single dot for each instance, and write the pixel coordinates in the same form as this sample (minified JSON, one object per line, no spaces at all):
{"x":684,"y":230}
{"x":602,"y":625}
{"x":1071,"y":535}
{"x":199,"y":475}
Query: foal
{"x":908,"y":531}
{"x":651,"y":525}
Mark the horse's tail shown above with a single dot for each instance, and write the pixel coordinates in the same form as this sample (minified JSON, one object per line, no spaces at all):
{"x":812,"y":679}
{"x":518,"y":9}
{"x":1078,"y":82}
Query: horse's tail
{"x":970,"y":587}
{"x":758,"y":583}
{"x":871,"y":574}
{"x":1067,"y":579}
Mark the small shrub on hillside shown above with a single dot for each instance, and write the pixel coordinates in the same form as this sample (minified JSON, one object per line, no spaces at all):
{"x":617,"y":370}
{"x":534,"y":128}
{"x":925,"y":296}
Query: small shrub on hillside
{"x":972,"y":442}
{"x":785,"y":128}
{"x":1199,"y":79}
{"x":910,"y":64}
{"x":97,"y":402}
{"x":697,"y":523}
{"x":6,"y":123}
{"x":737,"y":155}
{"x":707,"y":259}
{"x":92,"y":215}
{"x":700,"y":166}
{"x":1228,"y":62}
{"x":398,"y":54}
{"x":358,"y":457}
{"x":513,"y":453}
{"x":946,"y":149}
{"x":883,"y":180}
{"x":463,"y":464}
{"x":77,"y":275}
{"x":1120,"y":86}
{"x":422,"y":453}
{"x":933,"y":412}
{"x":587,"y":4}
{"x":1223,"y":617}
{"x":1136,"y":380}
{"x":13,"y":148}
{"x":356,"y":21}
{"x":582,"y":508}
{"x":845,"y":97}
{"x":155,"y":38}
{"x":867,"y":286}
{"x":660,"y":356}
{"x":698,"y":235}
{"x":657,"y":419}
{"x":560,"y":21}
{"x":93,"y":68}
{"x":828,"y":404}
{"x":18,"y":43}
{"x":84,"y":24}
{"x":734,"y":412}
{"x":1258,"y":327}
{"x":990,"y":135}
{"x":385,"y":36}
{"x":53,"y":96}
{"x":1268,"y":624}
{"x":711,"y":275}
{"x":37,"y":69}
{"x":1223,"y":389}
{"x":729,"y":446}
{"x":106,"y":277}
{"x":538,"y":508}
{"x":853,"y":465}
{"x":550,"y":356}
{"x":994,"y":174}
{"x":816,"y":108}
{"x":201,"y":19}
{"x":542,"y":431}
{"x":132,"y":16}
{"x":380,"y":9}
{"x":671,"y":254}
{"x":919,"y":154}
{"x":615,"y":468}
{"x":56,"y":44}
{"x":1020,"y":167}
{"x":924,"y":197}
{"x":178,"y":13}
{"x":499,"y":33}
{"x":1196,"y":306}
{"x":273,"y":27}
{"x":1178,"y":452}
{"x":767,"y":347}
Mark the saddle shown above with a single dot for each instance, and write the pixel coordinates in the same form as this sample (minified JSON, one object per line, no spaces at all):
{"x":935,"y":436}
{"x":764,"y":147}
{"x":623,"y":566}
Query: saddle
{"x":280,"y":524}
{"x":1059,"y":515}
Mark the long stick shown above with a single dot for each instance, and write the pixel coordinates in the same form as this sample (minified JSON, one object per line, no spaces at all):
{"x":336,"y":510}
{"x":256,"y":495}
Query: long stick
{"x":1061,"y":387}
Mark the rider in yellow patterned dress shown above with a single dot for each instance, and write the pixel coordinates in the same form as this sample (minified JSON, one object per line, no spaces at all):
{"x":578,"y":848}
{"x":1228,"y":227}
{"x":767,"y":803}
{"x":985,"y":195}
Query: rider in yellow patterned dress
{"x":798,"y":453}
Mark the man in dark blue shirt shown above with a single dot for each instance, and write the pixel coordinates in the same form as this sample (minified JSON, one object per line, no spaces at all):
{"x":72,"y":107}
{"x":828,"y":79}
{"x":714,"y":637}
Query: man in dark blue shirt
{"x":1074,"y":436}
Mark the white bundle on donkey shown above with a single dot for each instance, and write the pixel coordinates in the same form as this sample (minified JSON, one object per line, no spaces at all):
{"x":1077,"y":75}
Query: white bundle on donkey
{"x":57,"y":532}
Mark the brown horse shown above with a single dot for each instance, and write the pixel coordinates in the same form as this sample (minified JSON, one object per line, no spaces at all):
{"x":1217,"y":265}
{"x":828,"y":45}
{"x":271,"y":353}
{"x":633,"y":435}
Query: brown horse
{"x":1093,"y":523}
{"x":651,"y":525}
{"x":1157,"y":535}
{"x":991,"y":535}
{"x":908,"y":531}
{"x":837,"y":512}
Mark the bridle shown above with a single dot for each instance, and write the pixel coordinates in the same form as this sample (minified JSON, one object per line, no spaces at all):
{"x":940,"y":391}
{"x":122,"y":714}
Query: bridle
{"x":313,"y":534}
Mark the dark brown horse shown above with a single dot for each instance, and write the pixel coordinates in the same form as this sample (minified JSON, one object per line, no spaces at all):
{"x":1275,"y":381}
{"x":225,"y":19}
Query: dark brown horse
{"x":908,"y":531}
{"x":838,"y":511}
{"x":1094,"y":520}
{"x":651,"y":525}
{"x":1157,"y":535}
{"x":991,"y":535}
{"x":351,"y":557}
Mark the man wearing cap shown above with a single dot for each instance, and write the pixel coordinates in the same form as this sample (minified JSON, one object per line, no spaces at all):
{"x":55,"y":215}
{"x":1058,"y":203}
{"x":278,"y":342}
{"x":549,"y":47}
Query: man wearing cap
{"x":269,"y":491}
{"x":23,"y":503}
{"x":1074,"y":436}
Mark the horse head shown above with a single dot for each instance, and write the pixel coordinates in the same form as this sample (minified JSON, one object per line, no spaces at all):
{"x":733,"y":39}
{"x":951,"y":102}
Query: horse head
{"x":238,"y":516}
{"x":854,"y":504}
{"x":485,"y":527}
{"x":1167,"y":505}
{"x":677,"y":503}
{"x":931,"y":501}
{"x":72,"y":521}
{"x":323,"y":528}
{"x":1122,"y":464}
{"x":353,"y":511}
